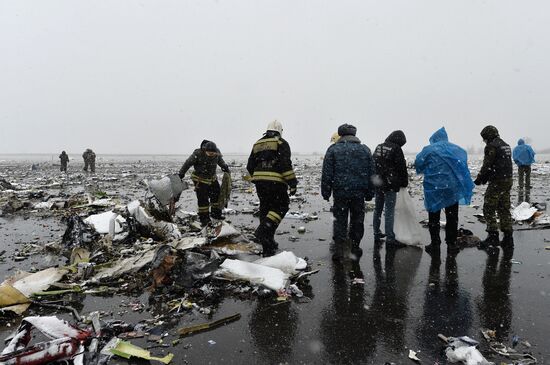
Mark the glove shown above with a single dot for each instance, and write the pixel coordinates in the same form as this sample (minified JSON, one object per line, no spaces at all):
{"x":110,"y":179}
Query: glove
{"x":327,"y":198}
{"x":477,"y":181}
{"x":292,"y":191}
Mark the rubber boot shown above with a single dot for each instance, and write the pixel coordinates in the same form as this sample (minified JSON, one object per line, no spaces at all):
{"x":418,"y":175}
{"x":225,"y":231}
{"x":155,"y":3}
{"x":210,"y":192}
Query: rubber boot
{"x":267,"y":239}
{"x":508,"y":239}
{"x":435,"y":245}
{"x":491,"y":240}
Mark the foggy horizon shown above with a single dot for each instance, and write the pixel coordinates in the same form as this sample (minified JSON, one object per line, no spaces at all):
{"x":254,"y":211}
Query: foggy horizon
{"x":159,"y":77}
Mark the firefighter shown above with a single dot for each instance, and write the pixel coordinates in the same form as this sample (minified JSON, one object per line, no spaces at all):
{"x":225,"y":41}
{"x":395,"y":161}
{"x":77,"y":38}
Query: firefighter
{"x":270,"y":168}
{"x":204,"y":161}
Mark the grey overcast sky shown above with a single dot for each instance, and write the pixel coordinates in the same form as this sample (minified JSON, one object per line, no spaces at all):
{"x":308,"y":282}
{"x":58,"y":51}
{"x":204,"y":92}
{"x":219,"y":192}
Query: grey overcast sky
{"x":159,"y":76}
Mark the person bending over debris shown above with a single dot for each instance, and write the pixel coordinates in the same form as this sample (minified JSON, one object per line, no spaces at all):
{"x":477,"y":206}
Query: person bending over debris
{"x":348,"y":169}
{"x":270,"y":167}
{"x":524,"y":157}
{"x":447,"y":183}
{"x":205,"y":161}
{"x":64,"y":161}
{"x":497,"y":170}
{"x":391,"y":175}
{"x":89,"y":159}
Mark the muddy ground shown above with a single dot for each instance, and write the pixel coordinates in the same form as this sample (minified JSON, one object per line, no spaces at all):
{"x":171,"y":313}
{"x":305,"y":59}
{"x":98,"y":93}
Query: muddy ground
{"x":407,"y":299}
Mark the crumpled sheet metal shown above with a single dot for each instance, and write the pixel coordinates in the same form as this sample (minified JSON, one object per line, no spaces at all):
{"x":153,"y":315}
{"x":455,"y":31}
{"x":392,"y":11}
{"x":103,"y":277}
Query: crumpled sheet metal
{"x":285,"y":261}
{"x":66,"y":340}
{"x":102,"y":221}
{"x":16,"y":291}
{"x":166,"y":230}
{"x":523,"y":212}
{"x":126,"y":265}
{"x":464,"y":350}
{"x":167,"y":188}
{"x":271,"y":278}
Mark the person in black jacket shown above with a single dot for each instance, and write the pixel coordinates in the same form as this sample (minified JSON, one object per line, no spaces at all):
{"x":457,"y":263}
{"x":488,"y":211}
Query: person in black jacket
{"x":391,"y":175}
{"x":205,"y":161}
{"x":64,"y":161}
{"x":270,"y":168}
{"x":497,"y":170}
{"x":347,"y":176}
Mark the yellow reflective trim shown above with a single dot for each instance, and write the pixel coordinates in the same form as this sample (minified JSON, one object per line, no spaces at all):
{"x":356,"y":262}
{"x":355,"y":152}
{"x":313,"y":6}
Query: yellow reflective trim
{"x":268,"y":178}
{"x":274,"y":216}
{"x":289,"y":172}
{"x":204,"y":209}
{"x":267,"y":173}
{"x":203,"y":180}
{"x":214,"y":205}
{"x":265,"y":145}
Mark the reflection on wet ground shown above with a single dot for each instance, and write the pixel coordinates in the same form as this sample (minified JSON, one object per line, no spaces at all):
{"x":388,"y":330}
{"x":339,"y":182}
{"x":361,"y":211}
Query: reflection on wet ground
{"x":370,"y":312}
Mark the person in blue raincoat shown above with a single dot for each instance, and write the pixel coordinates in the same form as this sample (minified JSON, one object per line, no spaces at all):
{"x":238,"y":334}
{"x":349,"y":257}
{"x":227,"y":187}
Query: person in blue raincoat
{"x":524,"y":157}
{"x":447,"y":183}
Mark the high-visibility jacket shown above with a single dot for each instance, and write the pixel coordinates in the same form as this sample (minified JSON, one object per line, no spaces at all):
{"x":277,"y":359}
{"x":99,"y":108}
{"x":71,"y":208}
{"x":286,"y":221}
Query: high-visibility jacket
{"x":270,"y":160}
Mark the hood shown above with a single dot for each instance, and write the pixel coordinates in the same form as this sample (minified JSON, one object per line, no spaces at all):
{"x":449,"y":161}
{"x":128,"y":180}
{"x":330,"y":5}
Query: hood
{"x":347,"y":130}
{"x":204,"y":141}
{"x":271,"y":134}
{"x":489,"y":133}
{"x":521,"y":141}
{"x":397,"y":137}
{"x":439,"y":136}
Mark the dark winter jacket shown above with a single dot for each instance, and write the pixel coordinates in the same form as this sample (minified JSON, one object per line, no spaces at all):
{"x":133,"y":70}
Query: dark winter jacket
{"x":270,"y":160}
{"x":390,"y":164}
{"x":348,"y":169}
{"x":204,"y":166}
{"x":64,"y":158}
{"x":497,"y":161}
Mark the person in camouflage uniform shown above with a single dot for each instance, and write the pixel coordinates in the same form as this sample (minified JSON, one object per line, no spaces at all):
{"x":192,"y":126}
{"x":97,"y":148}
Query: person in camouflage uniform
{"x":64,"y":161}
{"x":89,"y":159}
{"x":204,"y":161}
{"x":497,"y":171}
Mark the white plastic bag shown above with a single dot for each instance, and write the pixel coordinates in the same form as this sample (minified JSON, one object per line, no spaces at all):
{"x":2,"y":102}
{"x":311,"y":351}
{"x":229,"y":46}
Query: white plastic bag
{"x":406,"y":227}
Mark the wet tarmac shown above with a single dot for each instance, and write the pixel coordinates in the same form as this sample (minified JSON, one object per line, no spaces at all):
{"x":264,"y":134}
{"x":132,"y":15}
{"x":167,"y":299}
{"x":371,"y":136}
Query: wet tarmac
{"x":407,"y":299}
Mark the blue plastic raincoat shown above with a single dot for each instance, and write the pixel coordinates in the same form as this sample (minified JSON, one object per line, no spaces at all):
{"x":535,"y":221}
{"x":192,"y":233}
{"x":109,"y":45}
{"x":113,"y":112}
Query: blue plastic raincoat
{"x":523,"y":154}
{"x":447,"y":178}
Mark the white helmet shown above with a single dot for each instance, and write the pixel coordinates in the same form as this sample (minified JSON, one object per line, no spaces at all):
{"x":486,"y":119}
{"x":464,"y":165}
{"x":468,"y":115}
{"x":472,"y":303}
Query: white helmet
{"x":275,"y":126}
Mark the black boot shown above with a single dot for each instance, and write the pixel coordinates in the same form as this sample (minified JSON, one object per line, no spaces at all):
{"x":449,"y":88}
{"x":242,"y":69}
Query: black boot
{"x":394,"y":245}
{"x":491,"y":240}
{"x":508,"y":239}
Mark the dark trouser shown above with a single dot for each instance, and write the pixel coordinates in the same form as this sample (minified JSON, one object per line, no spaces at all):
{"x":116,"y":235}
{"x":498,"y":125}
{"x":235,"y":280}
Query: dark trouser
{"x":63,"y":167}
{"x":497,"y":202}
{"x":92,"y":166}
{"x":355,"y":208}
{"x":85,"y":165}
{"x":274,"y":204}
{"x":524,"y":174}
{"x":451,"y":229}
{"x":207,"y":199}
{"x":384,"y":201}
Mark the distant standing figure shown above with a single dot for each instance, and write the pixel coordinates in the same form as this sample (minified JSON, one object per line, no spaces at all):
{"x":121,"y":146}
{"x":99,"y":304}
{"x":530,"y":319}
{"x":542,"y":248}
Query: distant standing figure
{"x":497,"y":170}
{"x":447,"y":183}
{"x":89,"y":159}
{"x":391,"y":175}
{"x":270,"y":166}
{"x":205,"y":160}
{"x":64,"y":161}
{"x":524,"y":157}
{"x":348,"y":169}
